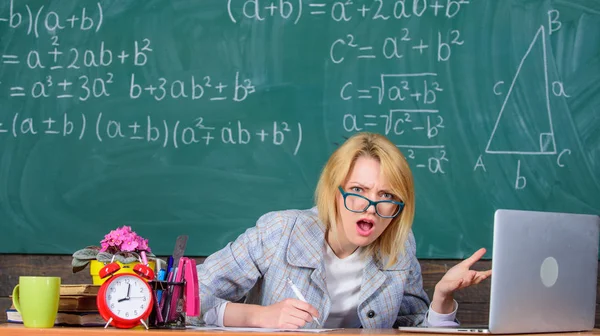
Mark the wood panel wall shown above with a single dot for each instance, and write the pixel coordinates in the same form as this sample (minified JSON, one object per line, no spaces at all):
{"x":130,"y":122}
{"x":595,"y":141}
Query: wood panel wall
{"x":473,"y":302}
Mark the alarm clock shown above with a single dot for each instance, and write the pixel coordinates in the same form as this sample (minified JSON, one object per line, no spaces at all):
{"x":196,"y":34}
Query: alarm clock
{"x":125,"y":300}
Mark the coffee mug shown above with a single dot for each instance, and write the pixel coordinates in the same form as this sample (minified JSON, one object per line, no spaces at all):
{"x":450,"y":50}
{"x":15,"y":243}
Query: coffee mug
{"x":36,"y":299}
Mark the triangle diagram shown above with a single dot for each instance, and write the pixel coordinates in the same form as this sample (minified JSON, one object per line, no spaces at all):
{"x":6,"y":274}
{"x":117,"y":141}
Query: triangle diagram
{"x":524,"y":124}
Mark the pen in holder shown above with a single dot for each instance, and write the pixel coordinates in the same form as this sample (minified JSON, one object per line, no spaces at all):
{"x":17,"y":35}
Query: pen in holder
{"x":176,"y":297}
{"x":168,"y":309}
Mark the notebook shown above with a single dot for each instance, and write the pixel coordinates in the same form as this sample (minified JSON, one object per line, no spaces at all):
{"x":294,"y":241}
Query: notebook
{"x":544,"y":274}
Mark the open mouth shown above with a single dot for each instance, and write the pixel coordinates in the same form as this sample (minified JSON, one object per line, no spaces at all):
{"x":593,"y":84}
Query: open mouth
{"x":365,"y":227}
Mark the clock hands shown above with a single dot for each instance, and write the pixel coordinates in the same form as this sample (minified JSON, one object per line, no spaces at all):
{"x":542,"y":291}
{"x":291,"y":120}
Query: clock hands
{"x":126,"y":297}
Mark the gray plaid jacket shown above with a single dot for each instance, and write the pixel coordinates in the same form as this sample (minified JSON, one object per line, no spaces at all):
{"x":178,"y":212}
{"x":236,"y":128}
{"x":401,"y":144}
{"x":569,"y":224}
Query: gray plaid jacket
{"x":291,"y":244}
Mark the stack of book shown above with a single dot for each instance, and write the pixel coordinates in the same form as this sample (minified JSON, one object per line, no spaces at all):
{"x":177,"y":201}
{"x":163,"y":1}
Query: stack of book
{"x":76,"y":307}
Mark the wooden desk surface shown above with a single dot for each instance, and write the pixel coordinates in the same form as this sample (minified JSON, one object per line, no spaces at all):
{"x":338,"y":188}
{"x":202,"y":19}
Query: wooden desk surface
{"x":17,"y":329}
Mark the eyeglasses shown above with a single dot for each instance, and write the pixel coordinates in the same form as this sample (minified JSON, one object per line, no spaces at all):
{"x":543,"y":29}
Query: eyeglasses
{"x":358,"y":203}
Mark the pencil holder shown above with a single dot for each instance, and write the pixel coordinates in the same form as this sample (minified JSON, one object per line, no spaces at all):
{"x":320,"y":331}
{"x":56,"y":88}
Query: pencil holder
{"x":168,"y":309}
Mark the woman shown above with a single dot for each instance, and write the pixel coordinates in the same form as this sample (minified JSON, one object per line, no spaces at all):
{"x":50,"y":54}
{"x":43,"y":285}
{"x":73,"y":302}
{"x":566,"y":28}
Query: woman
{"x":352,"y":257}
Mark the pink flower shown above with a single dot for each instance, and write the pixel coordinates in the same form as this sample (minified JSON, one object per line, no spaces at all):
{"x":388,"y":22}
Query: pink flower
{"x":114,"y":238}
{"x":142,"y":244}
{"x":129,"y":245}
{"x":123,"y":239}
{"x":123,"y":231}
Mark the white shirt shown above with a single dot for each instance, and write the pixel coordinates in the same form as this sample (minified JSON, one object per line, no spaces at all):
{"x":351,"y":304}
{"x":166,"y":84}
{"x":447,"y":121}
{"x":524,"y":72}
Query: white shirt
{"x":343,"y":278}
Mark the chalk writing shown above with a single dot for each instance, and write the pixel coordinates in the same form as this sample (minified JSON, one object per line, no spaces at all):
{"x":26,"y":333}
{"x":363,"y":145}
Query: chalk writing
{"x":403,"y":103}
{"x":391,"y":47}
{"x":174,"y":133}
{"x":37,"y":20}
{"x":544,"y":127}
{"x":342,"y":11}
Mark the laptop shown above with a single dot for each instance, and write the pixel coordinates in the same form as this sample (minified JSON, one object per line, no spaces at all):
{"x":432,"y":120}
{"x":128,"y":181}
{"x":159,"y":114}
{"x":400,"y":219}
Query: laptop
{"x":545,"y":269}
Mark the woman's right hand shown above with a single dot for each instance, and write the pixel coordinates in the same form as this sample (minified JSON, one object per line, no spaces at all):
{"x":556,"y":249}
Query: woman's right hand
{"x":287,"y":314}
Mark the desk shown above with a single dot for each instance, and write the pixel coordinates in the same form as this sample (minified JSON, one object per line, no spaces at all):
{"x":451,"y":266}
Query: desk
{"x":18,"y":330}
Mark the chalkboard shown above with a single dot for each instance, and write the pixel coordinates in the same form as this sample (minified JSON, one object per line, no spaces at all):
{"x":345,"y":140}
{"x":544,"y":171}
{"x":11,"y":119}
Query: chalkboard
{"x":197,"y":116}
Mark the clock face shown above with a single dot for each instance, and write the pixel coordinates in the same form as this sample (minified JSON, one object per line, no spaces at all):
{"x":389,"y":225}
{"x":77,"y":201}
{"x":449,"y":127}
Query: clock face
{"x":128,"y":297}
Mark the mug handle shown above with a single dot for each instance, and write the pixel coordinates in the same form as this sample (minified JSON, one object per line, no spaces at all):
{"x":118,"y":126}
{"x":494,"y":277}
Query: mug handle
{"x":15,"y":298}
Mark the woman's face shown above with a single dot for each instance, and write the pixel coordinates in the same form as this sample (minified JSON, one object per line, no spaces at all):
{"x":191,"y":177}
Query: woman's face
{"x":361,"y":229}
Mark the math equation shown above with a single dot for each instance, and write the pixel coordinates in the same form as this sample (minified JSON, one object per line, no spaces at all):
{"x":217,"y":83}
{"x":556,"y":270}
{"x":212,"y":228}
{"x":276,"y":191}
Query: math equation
{"x":397,"y":81}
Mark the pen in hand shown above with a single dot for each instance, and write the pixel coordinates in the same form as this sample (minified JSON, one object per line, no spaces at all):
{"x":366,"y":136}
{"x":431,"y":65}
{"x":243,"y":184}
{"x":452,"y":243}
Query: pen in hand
{"x":300,"y":296}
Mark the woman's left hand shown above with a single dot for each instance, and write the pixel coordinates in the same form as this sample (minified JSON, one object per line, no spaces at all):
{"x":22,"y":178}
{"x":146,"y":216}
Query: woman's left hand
{"x":458,"y":277}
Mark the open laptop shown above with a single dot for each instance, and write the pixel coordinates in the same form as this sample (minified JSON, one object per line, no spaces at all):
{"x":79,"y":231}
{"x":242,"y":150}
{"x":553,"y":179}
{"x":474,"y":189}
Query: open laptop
{"x":545,"y":268}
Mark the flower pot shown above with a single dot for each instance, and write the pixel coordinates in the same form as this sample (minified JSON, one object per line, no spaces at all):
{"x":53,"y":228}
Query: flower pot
{"x":96,"y":266}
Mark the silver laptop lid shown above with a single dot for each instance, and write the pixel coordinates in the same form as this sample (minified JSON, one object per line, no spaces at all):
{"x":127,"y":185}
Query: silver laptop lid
{"x":544,"y":272}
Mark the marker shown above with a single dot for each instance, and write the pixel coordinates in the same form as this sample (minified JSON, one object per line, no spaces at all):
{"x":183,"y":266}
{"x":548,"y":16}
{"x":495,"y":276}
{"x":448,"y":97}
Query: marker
{"x":300,"y":296}
{"x":170,"y":264}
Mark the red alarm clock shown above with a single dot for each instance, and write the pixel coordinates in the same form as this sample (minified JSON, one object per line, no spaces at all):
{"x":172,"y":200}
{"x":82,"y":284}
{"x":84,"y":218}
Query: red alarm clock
{"x":125,"y":300}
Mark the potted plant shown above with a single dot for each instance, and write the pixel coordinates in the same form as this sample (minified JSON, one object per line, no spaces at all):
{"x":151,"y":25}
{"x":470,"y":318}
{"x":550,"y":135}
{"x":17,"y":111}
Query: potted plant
{"x":120,"y":245}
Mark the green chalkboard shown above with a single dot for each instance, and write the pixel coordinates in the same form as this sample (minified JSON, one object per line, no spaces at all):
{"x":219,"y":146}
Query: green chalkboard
{"x":197,"y":116}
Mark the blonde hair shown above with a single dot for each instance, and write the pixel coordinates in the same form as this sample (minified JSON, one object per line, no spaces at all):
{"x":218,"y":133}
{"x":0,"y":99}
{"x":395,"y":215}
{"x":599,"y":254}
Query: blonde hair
{"x":399,"y":176}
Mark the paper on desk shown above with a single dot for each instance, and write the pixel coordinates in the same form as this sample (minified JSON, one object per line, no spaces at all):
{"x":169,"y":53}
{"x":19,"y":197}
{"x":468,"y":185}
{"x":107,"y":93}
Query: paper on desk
{"x":259,"y":329}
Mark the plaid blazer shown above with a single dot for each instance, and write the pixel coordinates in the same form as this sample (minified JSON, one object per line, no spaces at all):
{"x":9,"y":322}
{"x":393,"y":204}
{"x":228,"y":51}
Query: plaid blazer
{"x":255,"y":267}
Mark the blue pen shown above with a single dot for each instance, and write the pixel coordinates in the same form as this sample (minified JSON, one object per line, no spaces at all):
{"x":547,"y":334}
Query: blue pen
{"x":162,"y":275}
{"x":170,"y":264}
